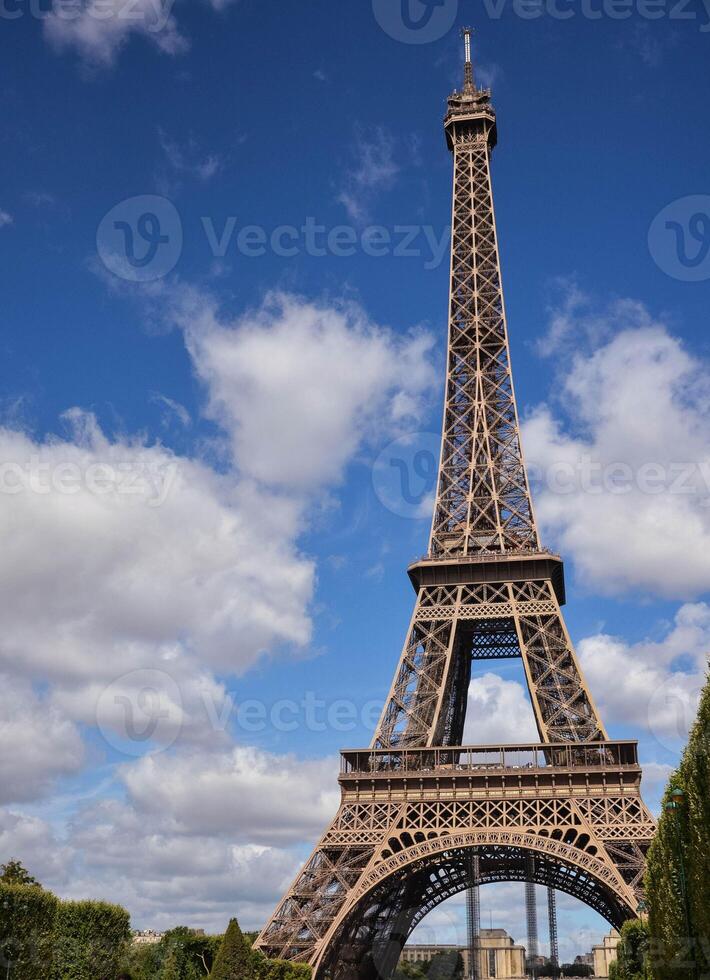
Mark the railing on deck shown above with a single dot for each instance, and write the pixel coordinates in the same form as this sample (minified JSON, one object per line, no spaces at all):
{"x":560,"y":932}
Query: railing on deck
{"x":481,"y":759}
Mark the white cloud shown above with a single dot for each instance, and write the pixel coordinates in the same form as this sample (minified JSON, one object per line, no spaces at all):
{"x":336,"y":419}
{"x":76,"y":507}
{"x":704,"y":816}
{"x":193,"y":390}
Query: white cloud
{"x":656,"y":683}
{"x":374,"y":170}
{"x":98,"y":31}
{"x":121,"y":557}
{"x":198,"y":839}
{"x":174,"y":410}
{"x":300,"y":387}
{"x":103,"y":580}
{"x":197,"y":573}
{"x":39,"y":742}
{"x":239,"y":794}
{"x":5,"y":218}
{"x":624,"y":457}
{"x":189,"y":158}
{"x":498,"y":711}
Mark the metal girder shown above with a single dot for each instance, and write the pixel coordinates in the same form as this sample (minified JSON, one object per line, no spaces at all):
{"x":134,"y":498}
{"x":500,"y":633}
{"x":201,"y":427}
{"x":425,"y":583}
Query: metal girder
{"x":422,"y":818}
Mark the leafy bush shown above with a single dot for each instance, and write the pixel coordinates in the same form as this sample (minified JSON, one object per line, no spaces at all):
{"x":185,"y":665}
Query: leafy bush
{"x":27,"y":917}
{"x":91,"y":940}
{"x":679,"y":861}
{"x":632,"y":951}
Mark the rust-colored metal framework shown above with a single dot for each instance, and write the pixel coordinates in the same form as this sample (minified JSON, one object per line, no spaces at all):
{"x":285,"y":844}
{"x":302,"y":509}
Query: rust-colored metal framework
{"x":417,"y":806}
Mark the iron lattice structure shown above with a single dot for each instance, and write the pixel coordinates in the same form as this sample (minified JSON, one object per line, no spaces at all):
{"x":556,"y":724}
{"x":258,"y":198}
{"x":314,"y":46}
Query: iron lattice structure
{"x":552,"y":920}
{"x":417,"y":806}
{"x":533,"y":947}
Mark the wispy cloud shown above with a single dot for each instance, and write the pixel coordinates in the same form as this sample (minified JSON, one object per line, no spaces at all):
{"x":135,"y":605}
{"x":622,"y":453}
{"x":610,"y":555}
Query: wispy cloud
{"x":5,"y":218}
{"x":100,"y":30}
{"x":188,"y":159}
{"x":375,"y":169}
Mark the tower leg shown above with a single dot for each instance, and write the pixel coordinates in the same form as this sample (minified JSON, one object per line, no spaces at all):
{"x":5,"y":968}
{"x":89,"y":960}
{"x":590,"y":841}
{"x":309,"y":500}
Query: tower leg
{"x":552,"y":917}
{"x":473,"y":916}
{"x":531,"y":915}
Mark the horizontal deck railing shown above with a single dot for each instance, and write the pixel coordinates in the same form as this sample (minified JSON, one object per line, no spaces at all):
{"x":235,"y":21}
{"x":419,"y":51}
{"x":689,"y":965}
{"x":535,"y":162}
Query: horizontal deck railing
{"x":489,"y":758}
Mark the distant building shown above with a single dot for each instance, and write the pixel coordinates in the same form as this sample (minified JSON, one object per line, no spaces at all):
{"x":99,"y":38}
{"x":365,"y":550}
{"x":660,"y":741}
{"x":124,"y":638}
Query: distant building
{"x":604,"y":953}
{"x":586,"y":959}
{"x":500,"y":957}
{"x":144,"y":936}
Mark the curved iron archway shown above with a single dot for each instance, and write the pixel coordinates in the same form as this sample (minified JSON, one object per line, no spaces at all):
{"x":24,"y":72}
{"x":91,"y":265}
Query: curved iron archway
{"x":368,"y":942}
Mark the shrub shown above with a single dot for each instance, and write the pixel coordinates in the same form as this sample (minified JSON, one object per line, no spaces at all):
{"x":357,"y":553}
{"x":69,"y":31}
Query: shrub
{"x":235,"y":959}
{"x":27,"y":916}
{"x":91,"y":940}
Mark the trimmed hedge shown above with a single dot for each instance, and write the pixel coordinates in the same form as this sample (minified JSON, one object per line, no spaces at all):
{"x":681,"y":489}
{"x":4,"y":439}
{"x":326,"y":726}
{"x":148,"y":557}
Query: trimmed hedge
{"x":91,"y":940}
{"x":27,"y":920}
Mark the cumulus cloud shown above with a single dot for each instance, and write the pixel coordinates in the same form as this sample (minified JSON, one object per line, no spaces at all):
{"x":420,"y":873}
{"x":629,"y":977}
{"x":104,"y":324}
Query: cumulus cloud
{"x":498,"y":710}
{"x":119,"y":555}
{"x":300,"y":387}
{"x":132,"y":576}
{"x":40,"y":743}
{"x":98,"y":32}
{"x":197,"y":839}
{"x":238,"y":794}
{"x":656,"y":682}
{"x":623,"y":457}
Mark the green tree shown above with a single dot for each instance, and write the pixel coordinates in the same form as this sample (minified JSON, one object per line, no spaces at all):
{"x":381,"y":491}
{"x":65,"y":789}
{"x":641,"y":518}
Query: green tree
{"x":445,"y":966}
{"x":678,"y":862}
{"x":632,"y":951}
{"x":15,"y":873}
{"x":27,"y":917}
{"x":173,"y":965}
{"x":142,"y":961}
{"x":695,"y":774}
{"x":409,"y":971}
{"x":90,"y":940}
{"x":235,"y":959}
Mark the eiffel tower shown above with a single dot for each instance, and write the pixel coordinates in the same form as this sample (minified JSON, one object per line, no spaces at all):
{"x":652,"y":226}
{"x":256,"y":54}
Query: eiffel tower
{"x":422,"y":817}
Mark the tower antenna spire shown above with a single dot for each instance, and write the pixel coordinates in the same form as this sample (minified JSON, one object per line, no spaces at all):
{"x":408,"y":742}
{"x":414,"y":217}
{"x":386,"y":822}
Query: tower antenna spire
{"x":468,"y":86}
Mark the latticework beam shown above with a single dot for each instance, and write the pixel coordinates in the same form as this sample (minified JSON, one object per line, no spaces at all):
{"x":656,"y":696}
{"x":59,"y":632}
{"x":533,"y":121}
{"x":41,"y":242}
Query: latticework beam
{"x":422,"y":818}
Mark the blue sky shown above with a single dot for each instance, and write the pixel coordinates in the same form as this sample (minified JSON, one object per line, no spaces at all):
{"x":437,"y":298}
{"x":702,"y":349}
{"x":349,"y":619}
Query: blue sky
{"x":197,"y":496}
